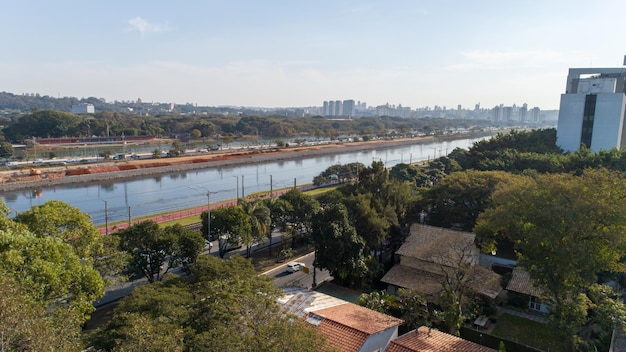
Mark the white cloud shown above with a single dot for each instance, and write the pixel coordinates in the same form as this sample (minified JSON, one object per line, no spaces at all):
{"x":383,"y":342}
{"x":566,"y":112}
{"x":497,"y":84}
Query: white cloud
{"x":142,"y":26}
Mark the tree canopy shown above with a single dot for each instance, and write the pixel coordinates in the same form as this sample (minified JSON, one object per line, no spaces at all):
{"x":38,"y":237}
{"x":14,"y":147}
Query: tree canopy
{"x":154,"y":250}
{"x":222,"y":306}
{"x":567,"y":230}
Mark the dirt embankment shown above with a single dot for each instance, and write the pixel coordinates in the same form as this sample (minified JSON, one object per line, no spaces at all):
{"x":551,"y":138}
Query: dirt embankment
{"x":111,"y":170}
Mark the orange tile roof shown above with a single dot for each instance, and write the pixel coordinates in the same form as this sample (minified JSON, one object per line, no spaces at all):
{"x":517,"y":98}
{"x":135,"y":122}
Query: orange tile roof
{"x":431,"y":340}
{"x":359,"y":318}
{"x":341,"y":337}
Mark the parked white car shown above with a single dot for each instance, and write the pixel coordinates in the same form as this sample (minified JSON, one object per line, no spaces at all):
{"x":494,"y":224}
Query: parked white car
{"x":292,"y":267}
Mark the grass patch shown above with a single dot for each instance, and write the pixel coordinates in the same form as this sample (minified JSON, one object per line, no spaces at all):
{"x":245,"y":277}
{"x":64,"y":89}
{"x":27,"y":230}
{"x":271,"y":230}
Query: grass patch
{"x":528,"y":332}
{"x":182,"y":221}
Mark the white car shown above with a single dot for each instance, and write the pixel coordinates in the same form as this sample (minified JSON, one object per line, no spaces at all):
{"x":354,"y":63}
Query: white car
{"x":292,"y":267}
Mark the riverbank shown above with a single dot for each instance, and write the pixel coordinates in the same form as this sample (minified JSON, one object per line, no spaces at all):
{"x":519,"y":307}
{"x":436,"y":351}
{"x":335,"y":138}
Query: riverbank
{"x":112,"y":170}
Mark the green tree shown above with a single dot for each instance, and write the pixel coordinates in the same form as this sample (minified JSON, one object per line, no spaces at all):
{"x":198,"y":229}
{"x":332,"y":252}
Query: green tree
{"x":302,"y":208}
{"x":413,"y":309}
{"x":567,"y":230}
{"x":176,"y":149}
{"x":189,"y":245}
{"x":223,"y":305}
{"x":231,"y":226}
{"x":279,"y":208}
{"x":50,"y":271}
{"x":44,"y":124}
{"x":26,"y":325}
{"x":259,"y":215}
{"x":6,"y":150}
{"x":338,"y":248}
{"x":379,"y":301}
{"x":461,"y":197}
{"x":154,"y":250}
{"x":59,"y":219}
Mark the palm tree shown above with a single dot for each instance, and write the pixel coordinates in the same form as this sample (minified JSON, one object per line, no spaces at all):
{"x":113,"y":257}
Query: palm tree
{"x":259,"y":219}
{"x":279,"y":208}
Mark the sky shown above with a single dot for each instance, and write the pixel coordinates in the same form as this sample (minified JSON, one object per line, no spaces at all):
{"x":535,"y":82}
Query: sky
{"x":286,"y":53}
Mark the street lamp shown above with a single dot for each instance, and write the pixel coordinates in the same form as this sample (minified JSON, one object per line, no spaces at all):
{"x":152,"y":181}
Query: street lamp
{"x":208,"y":215}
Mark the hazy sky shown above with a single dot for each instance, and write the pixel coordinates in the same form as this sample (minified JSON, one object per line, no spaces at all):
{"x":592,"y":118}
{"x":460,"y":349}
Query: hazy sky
{"x":298,"y":53}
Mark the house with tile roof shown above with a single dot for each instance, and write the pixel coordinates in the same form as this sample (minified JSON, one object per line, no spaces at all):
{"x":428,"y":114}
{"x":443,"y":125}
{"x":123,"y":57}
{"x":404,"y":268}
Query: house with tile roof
{"x":431,"y":256}
{"x":348,"y":327}
{"x":425,"y":339}
{"x":521,"y":283}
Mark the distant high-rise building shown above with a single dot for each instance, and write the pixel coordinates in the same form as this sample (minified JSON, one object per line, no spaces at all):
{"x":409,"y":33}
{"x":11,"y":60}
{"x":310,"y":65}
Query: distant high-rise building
{"x":331,"y":108}
{"x":325,"y":109}
{"x":338,"y":108}
{"x":534,"y":114}
{"x":83,"y":108}
{"x":348,"y":107}
{"x":592,"y":109}
{"x":523,"y":113}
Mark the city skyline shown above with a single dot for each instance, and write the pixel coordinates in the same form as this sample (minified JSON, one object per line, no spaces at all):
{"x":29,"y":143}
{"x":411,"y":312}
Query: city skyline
{"x":282,"y":54}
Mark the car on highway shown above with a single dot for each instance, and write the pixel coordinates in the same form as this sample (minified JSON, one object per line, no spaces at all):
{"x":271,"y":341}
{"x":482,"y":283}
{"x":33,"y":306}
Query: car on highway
{"x":292,"y":267}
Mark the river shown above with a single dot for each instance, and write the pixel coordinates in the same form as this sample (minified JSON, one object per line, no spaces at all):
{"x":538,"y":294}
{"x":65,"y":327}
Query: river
{"x":180,"y":190}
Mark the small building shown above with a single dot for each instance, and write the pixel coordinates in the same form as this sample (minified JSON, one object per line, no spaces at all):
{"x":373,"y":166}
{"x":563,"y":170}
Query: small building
{"x":425,"y":339}
{"x":83,"y":108}
{"x":347,"y":327}
{"x":521,"y":283}
{"x":430,"y":254}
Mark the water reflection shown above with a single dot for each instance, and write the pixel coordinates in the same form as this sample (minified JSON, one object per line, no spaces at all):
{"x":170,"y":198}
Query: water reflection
{"x":168,"y":192}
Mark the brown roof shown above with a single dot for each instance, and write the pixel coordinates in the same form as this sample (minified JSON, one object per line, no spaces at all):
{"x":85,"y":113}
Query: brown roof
{"x":348,"y":326}
{"x":341,"y":337}
{"x":521,"y":283}
{"x":484,"y":281}
{"x":431,"y":340}
{"x":432,"y":244}
{"x":359,"y":318}
{"x":424,"y":282}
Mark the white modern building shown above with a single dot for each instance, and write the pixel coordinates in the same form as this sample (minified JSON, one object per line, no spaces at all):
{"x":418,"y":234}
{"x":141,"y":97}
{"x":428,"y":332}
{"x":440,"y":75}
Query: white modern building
{"x":83,"y":108}
{"x":592,"y":109}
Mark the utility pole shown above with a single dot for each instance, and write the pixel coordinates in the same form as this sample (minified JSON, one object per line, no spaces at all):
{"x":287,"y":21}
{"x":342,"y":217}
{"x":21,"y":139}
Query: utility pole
{"x":208,"y":213}
{"x":243,"y":193}
{"x":237,"y":177}
{"x":106,"y":217}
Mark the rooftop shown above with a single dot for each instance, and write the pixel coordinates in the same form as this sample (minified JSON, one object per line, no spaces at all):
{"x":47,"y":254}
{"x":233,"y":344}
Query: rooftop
{"x":431,"y":340}
{"x":438,"y":245}
{"x":359,"y":318}
{"x":520,"y":282}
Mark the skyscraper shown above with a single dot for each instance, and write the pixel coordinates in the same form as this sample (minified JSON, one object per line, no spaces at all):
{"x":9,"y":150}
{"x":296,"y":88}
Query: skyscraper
{"x":592,"y":109}
{"x":348,"y":107}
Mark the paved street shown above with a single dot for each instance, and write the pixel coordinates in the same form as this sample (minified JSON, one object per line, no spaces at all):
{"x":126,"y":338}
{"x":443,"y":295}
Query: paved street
{"x":301,"y":279}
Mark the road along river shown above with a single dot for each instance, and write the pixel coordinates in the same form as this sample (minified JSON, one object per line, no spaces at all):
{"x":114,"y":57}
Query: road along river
{"x":123,"y":199}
